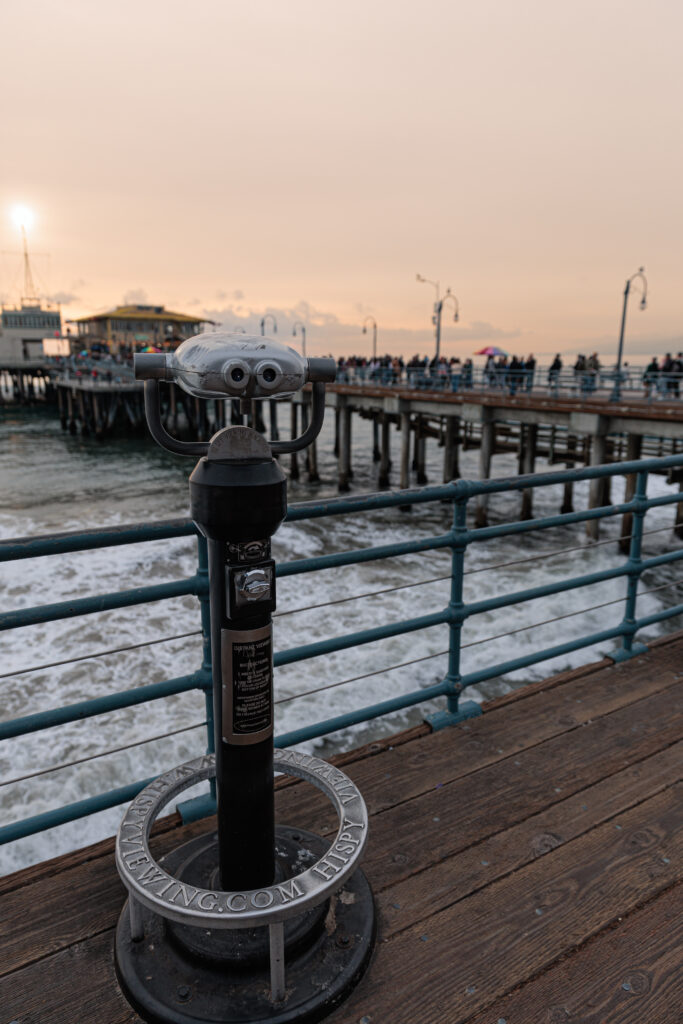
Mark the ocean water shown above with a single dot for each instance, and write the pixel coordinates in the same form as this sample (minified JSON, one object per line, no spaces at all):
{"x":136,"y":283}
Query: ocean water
{"x":52,"y":481}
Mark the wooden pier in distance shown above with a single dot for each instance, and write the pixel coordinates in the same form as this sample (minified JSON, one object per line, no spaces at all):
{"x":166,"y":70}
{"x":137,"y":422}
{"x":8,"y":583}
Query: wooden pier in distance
{"x":566,"y":429}
{"x":527,"y":868}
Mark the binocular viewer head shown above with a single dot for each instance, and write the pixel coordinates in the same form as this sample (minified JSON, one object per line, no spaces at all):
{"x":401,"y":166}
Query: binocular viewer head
{"x":226,"y":365}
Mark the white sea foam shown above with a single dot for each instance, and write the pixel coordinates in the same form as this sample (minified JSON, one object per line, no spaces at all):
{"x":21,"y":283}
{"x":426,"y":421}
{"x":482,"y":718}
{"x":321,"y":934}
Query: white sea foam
{"x":78,"y":485}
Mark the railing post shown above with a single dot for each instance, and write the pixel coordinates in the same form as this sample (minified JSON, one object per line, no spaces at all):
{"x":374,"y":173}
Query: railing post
{"x":205,"y":804}
{"x":204,"y":604}
{"x":456,"y":710}
{"x":628,"y":624}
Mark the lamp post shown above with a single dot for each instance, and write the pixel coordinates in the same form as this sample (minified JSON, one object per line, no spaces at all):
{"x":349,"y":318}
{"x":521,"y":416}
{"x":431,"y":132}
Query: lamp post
{"x":303,"y":336}
{"x":374,"y":334}
{"x":616,"y":392}
{"x":263,"y":324}
{"x":438,"y":307}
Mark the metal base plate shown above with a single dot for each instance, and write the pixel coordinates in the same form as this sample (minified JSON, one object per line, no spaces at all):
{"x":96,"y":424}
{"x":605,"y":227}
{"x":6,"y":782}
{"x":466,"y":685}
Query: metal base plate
{"x":178,"y":975}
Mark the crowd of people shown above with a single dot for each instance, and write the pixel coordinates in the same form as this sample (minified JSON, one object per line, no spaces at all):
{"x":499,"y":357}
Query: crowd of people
{"x":514,"y":373}
{"x":510,"y":374}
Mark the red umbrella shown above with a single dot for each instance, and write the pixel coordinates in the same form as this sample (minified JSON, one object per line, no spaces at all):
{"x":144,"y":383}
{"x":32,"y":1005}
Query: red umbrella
{"x":491,"y":350}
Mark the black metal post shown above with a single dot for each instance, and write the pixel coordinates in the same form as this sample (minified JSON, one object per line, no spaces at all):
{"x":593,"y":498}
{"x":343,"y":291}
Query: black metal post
{"x":238,"y":506}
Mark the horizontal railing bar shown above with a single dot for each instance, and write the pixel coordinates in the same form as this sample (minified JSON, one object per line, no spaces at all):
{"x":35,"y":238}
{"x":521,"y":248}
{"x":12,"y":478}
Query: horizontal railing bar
{"x":475,"y":643}
{"x":193,"y":585}
{"x":547,"y":589}
{"x":360,"y":555}
{"x":91,"y":805}
{"x":484,"y":533}
{"x":102,"y":537}
{"x":466,"y":572}
{"x":365,"y":675}
{"x":503,"y":667}
{"x":364,"y":636}
{"x":667,"y":613}
{"x":472,"y":488}
{"x":369,"y":502}
{"x":341,"y":600}
{"x":464,"y":489}
{"x":100,"y":753}
{"x":103,"y":705}
{"x":71,"y":812}
{"x":310,"y":732}
{"x":78,"y":540}
{"x":491,"y":604}
{"x":98,"y":654}
{"x":358,"y":597}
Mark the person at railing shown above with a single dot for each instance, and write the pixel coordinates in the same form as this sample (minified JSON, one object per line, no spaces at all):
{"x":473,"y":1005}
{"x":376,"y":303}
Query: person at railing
{"x":670,"y":371}
{"x":530,"y":370}
{"x":515,"y":374}
{"x":651,"y":377}
{"x":501,"y":372}
{"x":678,"y":373}
{"x":414,"y":369}
{"x":467,"y":375}
{"x":490,"y":372}
{"x":554,"y":373}
{"x":580,"y":372}
{"x":455,"y":373}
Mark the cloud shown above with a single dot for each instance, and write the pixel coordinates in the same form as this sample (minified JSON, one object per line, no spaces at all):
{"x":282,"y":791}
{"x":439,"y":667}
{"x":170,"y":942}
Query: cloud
{"x":64,"y":298}
{"x":135,"y":297}
{"x":479,"y":330}
{"x":327,"y":333}
{"x":238,"y":294}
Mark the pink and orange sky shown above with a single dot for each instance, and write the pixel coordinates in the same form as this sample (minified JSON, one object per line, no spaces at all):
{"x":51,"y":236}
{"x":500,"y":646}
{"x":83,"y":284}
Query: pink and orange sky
{"x":310,"y":157}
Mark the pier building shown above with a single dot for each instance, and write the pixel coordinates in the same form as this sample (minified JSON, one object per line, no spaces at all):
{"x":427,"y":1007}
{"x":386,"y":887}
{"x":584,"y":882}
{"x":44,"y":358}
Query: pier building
{"x":130,"y":327}
{"x":24,"y":327}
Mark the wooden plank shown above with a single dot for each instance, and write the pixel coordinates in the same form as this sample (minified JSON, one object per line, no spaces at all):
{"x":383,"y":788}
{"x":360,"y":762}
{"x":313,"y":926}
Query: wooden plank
{"x":450,"y":817}
{"x":480,"y":741}
{"x":672,"y":640}
{"x":96,"y":893}
{"x":415,"y":833}
{"x":419,"y":896}
{"x":630,"y":974}
{"x":543,"y":685}
{"x":76,"y":986}
{"x":580,"y":889}
{"x":442,"y":757}
{"x":466,"y":957}
{"x":105,"y":848}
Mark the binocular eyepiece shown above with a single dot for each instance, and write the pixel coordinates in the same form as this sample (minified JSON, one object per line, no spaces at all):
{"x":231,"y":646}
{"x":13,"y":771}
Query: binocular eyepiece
{"x":226,"y":365}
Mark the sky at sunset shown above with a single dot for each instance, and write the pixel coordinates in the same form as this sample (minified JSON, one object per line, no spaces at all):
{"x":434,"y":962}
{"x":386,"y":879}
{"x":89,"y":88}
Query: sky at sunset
{"x":308,"y":158}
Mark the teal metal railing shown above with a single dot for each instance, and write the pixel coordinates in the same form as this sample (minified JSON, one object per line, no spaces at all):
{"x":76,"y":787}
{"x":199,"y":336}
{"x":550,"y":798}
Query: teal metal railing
{"x":452,"y":617}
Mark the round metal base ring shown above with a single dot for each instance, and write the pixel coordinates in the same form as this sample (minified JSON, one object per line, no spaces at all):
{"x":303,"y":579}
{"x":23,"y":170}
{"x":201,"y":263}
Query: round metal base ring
{"x":161,"y":976}
{"x":167,"y":985}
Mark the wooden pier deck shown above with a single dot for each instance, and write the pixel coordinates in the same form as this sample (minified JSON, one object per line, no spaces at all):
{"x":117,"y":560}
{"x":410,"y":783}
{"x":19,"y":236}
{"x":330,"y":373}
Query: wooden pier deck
{"x":526,"y":867}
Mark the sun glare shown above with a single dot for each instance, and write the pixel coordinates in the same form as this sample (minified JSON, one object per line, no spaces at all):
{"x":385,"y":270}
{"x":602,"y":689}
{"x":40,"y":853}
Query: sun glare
{"x":22,"y":216}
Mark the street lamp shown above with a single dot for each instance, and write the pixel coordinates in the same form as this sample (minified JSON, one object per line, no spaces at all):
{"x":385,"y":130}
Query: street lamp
{"x":438,"y":306}
{"x":303,"y":336}
{"x":616,"y":393}
{"x":263,"y":324}
{"x":374,"y":334}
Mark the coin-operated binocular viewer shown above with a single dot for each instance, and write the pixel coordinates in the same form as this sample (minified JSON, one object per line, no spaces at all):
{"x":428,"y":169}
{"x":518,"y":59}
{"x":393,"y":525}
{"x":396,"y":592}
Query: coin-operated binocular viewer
{"x":254,"y":922}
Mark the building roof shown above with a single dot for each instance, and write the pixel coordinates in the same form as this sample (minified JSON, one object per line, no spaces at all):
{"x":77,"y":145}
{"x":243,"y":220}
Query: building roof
{"x":143,"y":313}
